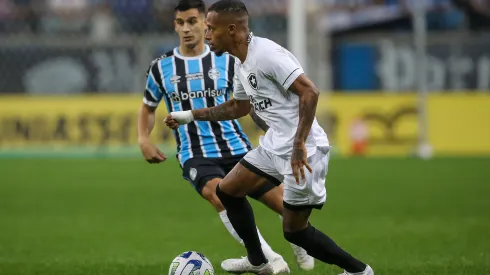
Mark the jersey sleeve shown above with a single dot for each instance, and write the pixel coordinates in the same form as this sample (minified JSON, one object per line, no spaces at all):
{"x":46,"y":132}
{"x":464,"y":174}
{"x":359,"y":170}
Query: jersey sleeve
{"x":153,"y":91}
{"x":238,"y":90}
{"x":280,"y":65}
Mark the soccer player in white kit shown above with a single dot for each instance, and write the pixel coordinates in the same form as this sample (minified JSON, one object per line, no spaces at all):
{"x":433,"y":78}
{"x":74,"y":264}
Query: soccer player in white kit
{"x":269,"y":79}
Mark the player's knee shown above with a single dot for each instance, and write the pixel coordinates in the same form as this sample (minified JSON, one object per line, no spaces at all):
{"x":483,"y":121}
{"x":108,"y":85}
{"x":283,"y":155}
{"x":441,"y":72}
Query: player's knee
{"x":229,"y":201}
{"x":295,"y":220}
{"x":291,"y":227}
{"x":209,"y":193}
{"x":297,"y":235}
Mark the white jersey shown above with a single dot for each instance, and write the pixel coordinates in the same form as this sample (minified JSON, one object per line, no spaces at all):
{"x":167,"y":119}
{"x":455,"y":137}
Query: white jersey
{"x":264,"y":79}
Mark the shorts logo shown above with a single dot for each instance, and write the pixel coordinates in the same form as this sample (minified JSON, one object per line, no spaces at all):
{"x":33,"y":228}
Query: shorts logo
{"x":213,"y":74}
{"x":252,"y":80}
{"x":193,"y":173}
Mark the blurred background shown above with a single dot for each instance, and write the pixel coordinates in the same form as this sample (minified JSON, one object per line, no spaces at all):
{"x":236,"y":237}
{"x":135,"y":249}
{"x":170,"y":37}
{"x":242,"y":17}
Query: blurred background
{"x":400,"y":80}
{"x":401,"y":76}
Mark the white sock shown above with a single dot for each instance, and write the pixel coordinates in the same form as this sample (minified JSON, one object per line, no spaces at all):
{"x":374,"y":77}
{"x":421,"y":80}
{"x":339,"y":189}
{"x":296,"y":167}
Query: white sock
{"x":266,"y":248}
{"x":229,"y":227}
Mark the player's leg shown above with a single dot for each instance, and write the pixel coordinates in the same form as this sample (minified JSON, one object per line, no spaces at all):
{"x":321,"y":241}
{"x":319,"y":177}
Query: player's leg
{"x":205,"y":174}
{"x":250,"y":174}
{"x":270,"y":196}
{"x":299,"y":231}
{"x":297,"y":210}
{"x":273,"y":199}
{"x":209,"y":193}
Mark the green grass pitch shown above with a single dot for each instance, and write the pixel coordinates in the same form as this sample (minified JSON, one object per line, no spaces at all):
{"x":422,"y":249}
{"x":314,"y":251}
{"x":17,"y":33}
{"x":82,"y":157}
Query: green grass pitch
{"x":124,"y":216}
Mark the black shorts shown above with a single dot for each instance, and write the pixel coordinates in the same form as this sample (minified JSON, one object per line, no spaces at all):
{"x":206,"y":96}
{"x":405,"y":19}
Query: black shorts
{"x":198,"y":171}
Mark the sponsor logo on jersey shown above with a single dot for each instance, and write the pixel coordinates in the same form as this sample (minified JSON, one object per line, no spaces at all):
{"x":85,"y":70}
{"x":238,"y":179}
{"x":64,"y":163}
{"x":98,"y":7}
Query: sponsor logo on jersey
{"x":260,"y":105}
{"x":195,"y":76}
{"x":179,"y":96}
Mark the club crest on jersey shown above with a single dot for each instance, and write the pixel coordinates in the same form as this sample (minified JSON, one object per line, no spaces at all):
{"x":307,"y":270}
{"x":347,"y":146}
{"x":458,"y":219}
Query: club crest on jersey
{"x":252,"y":80}
{"x":213,"y":74}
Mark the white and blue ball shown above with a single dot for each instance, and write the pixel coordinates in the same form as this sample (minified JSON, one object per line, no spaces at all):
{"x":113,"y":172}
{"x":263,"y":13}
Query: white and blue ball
{"x":191,"y":263}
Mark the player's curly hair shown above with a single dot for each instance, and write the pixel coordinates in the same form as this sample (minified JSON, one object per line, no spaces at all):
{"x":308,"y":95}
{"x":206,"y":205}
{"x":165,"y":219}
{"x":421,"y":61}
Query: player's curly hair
{"x":185,"y":5}
{"x":229,"y":6}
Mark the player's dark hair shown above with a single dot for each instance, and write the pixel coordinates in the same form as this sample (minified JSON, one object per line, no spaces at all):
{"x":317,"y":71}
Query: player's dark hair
{"x":185,"y":5}
{"x":229,"y":6}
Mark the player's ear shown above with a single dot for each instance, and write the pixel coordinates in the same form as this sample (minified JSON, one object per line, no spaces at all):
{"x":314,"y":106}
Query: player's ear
{"x":232,"y":29}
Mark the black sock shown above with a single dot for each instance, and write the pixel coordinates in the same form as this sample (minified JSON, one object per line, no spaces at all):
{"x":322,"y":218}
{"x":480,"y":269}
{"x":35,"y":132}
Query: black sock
{"x":321,"y":247}
{"x":241,"y":216}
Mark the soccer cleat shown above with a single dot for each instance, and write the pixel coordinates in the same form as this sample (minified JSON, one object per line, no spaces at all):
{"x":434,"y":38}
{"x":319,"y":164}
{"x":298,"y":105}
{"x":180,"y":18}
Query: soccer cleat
{"x":279,"y":266}
{"x":242,"y":265}
{"x":277,"y":262}
{"x":367,"y":271}
{"x":305,"y":261}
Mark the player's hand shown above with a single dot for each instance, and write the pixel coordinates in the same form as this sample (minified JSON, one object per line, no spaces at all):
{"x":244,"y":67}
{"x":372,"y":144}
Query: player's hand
{"x":175,"y":119}
{"x":151,"y":153}
{"x":299,"y":161}
{"x":171,"y":123}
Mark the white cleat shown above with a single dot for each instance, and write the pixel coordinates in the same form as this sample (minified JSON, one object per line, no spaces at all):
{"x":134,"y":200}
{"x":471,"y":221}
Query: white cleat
{"x":367,"y":271}
{"x":277,"y":261}
{"x":242,"y":265}
{"x":279,"y":265}
{"x":305,"y":261}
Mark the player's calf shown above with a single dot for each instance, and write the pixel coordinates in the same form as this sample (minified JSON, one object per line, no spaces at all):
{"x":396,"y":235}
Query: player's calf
{"x":300,"y":232}
{"x":241,"y":216}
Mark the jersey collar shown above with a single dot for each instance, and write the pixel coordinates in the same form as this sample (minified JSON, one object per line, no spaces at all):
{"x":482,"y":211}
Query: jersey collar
{"x":177,"y":53}
{"x":250,"y":36}
{"x":249,"y":42}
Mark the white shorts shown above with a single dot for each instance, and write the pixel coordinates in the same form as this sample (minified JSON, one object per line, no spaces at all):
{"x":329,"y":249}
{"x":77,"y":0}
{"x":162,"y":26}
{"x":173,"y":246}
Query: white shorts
{"x":309,"y":194}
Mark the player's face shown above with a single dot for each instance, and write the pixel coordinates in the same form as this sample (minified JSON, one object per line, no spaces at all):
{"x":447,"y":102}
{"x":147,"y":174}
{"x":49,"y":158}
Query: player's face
{"x":190,"y":26}
{"x":217,"y":34}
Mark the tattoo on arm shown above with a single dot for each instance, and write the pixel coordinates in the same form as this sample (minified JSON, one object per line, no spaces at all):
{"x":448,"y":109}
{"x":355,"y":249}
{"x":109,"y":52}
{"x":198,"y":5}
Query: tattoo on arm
{"x":221,"y":113}
{"x":229,"y":110}
{"x":307,"y":110}
{"x":308,"y":99}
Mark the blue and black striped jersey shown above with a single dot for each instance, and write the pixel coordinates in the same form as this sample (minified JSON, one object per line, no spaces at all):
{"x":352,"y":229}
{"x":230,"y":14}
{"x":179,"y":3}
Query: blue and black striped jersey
{"x":187,"y":83}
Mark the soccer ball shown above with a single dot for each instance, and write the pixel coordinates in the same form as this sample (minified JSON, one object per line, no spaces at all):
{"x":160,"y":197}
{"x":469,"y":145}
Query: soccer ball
{"x":191,"y":263}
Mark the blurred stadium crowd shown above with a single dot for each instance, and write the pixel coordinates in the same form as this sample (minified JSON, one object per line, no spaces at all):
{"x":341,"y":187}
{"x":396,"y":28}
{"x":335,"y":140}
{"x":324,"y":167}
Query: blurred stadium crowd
{"x":102,"y":46}
{"x":358,"y":51}
{"x":103,"y":17}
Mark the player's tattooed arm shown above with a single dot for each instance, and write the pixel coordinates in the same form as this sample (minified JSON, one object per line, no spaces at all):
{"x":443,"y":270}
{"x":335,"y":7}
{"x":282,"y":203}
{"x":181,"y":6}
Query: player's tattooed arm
{"x":308,"y":99}
{"x":231,"y":109}
{"x":260,"y":122}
